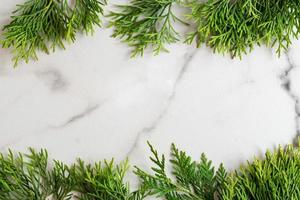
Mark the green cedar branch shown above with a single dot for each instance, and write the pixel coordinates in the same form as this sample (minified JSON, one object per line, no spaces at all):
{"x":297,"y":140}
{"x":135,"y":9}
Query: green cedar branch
{"x":145,"y":23}
{"x":33,"y":177}
{"x":193,"y":180}
{"x":276,"y":177}
{"x":38,"y":25}
{"x":235,"y":27}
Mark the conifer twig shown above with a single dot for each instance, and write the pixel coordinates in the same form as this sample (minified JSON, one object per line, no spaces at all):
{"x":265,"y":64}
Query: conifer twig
{"x":38,"y":25}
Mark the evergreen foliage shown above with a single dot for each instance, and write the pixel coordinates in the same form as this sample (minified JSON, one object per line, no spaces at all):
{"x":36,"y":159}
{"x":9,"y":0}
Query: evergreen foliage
{"x":235,"y":27}
{"x":193,"y":180}
{"x":276,"y":177}
{"x":232,"y":27}
{"x":40,"y":25}
{"x":145,"y":23}
{"x":32,"y":177}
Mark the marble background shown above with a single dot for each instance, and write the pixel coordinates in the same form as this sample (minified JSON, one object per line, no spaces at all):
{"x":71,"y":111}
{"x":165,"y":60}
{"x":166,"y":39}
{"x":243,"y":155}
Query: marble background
{"x":93,"y":101}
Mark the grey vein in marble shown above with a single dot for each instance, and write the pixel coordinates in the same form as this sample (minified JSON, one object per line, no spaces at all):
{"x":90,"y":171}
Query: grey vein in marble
{"x":188,"y":57}
{"x":75,"y":118}
{"x":53,"y":79}
{"x":285,"y":77}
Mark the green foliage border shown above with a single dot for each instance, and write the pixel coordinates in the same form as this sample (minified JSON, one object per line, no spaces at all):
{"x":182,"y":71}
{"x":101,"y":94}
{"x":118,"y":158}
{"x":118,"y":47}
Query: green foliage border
{"x":232,"y":27}
{"x":31,"y":176}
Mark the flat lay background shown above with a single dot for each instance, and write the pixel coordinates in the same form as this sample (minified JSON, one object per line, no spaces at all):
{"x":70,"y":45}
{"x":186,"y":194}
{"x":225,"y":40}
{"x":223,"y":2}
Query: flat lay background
{"x":92,"y":101}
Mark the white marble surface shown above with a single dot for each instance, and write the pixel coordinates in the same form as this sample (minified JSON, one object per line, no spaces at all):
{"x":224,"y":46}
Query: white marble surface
{"x":93,"y":101}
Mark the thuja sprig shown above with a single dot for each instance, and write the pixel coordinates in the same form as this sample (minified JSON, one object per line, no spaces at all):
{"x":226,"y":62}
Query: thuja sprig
{"x":28,"y":177}
{"x":276,"y":177}
{"x":145,"y":23}
{"x":193,"y":180}
{"x":102,"y":181}
{"x":62,"y":180}
{"x":32,"y":177}
{"x":38,"y":25}
{"x":235,"y":27}
{"x":84,"y":16}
